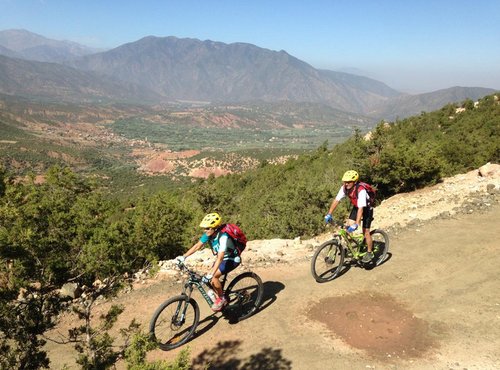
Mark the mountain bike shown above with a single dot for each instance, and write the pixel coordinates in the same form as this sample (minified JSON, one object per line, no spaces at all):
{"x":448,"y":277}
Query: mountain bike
{"x":175,"y":320}
{"x":345,"y":249}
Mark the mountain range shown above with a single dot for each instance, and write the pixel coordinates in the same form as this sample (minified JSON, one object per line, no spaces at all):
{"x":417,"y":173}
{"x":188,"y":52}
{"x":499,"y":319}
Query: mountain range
{"x":30,"y":46}
{"x":161,"y":70}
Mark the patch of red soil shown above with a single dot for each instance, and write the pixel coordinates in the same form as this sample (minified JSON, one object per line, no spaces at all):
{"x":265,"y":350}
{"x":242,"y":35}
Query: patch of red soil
{"x":374,"y":323}
{"x":39,"y":179}
{"x":207,"y":171}
{"x":158,"y":165}
{"x":162,"y":162}
{"x":177,"y":155}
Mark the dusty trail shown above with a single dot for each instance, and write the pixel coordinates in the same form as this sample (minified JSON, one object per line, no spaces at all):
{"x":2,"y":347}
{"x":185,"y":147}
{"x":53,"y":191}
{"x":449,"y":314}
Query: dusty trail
{"x":434,"y":304}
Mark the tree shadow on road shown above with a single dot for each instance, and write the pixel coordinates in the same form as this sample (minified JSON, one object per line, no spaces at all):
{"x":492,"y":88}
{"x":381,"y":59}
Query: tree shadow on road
{"x":222,"y":357}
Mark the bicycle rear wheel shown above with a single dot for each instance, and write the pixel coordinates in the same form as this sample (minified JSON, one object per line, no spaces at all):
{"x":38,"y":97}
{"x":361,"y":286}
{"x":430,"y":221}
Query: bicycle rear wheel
{"x":327,"y":261}
{"x":380,"y":245}
{"x":244,"y":295}
{"x":174,"y":322}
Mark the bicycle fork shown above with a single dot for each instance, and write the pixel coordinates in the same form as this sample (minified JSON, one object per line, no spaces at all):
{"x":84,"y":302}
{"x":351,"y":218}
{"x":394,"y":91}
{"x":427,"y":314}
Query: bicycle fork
{"x":179,"y":316}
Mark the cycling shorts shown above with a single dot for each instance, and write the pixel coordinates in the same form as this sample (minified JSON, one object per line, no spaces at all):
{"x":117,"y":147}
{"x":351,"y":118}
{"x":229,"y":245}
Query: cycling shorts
{"x":227,"y":266}
{"x":367,"y":216}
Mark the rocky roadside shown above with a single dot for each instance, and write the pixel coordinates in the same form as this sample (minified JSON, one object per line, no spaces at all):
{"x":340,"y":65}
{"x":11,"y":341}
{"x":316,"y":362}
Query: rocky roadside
{"x":475,"y":191}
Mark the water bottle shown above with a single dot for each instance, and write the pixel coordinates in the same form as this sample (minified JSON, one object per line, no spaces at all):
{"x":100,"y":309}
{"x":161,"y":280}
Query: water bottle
{"x":212,"y":295}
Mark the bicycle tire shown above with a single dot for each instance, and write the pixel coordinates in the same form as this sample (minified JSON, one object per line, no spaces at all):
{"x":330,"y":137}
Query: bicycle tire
{"x":170,"y":331}
{"x":380,"y":245}
{"x":327,"y":261}
{"x":244,"y":295}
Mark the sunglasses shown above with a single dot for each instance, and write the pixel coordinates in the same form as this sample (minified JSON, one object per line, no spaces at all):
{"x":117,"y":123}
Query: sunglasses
{"x":208,"y":229}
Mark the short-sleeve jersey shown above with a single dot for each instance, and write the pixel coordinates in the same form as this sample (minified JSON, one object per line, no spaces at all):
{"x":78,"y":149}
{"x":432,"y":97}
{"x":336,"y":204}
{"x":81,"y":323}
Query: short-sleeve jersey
{"x":221,"y":242}
{"x":362,"y":196}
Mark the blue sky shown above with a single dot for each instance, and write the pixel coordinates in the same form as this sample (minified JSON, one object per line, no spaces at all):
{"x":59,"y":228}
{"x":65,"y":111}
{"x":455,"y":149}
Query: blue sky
{"x":413,"y":46}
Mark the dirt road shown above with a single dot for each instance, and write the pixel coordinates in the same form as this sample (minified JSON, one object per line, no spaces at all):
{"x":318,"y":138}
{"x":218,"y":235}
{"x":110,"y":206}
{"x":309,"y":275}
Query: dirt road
{"x":434,"y":304}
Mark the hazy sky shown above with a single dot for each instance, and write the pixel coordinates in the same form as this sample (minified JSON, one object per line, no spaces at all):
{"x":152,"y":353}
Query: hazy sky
{"x":413,"y":46}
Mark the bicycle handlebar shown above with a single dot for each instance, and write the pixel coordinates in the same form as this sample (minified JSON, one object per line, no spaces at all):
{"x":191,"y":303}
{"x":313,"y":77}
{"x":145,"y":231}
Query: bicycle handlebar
{"x":192,"y":274}
{"x":334,"y":222}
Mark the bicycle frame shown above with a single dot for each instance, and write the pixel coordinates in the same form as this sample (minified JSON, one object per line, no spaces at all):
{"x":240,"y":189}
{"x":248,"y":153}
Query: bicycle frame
{"x":355,"y":244}
{"x":195,"y":280}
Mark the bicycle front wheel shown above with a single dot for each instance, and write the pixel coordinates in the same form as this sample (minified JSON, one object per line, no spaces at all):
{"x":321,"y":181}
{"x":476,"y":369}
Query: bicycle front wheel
{"x":327,"y":261}
{"x":174,"y":322}
{"x":244,"y":295}
{"x":380,"y":245}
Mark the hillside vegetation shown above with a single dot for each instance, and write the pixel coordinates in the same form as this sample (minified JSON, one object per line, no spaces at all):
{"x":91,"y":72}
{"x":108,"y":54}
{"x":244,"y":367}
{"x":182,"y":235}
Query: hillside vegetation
{"x":73,"y":229}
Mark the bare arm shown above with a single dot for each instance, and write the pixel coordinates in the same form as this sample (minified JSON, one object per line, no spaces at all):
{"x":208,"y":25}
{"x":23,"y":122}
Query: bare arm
{"x":193,"y":249}
{"x":336,"y":200}
{"x":333,"y":206}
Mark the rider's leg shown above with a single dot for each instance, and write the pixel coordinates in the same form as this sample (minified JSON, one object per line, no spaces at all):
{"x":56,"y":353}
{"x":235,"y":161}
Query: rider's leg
{"x":224,"y":268}
{"x":367,"y":223}
{"x":216,"y":284}
{"x":368,"y":239}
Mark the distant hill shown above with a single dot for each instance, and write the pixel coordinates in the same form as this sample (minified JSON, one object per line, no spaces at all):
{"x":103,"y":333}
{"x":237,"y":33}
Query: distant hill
{"x":9,"y":53}
{"x":409,"y":105}
{"x":190,"y":69}
{"x":50,"y":81}
{"x":165,"y":70}
{"x":30,"y":46}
